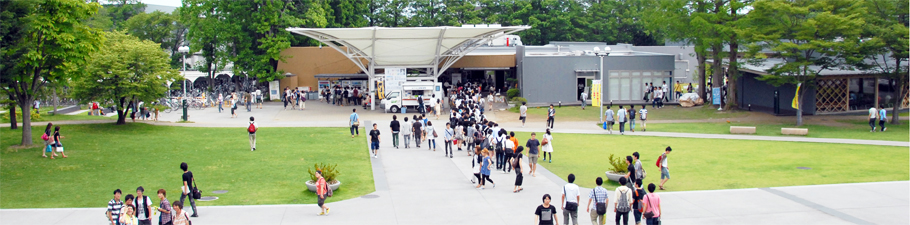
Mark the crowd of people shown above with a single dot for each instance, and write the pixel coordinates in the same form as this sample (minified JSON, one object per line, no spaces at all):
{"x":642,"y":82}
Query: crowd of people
{"x":623,"y":116}
{"x":140,"y":209}
{"x":342,"y":96}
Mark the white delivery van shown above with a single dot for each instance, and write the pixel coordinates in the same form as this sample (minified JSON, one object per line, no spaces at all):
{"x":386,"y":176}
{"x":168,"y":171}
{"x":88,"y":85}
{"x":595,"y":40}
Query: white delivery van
{"x":394,"y":101}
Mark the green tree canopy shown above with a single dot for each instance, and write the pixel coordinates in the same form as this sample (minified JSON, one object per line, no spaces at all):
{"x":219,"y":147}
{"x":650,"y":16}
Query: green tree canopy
{"x":126,"y":69}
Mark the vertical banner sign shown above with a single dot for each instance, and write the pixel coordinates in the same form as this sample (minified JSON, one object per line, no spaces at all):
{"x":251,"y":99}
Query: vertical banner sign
{"x":596,"y":93}
{"x":394,"y":79}
{"x":715,"y":96}
{"x":795,"y":103}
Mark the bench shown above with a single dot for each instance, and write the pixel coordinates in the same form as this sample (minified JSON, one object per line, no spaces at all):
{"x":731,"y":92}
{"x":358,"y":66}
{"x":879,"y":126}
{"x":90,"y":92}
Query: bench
{"x":794,"y":131}
{"x":742,"y":130}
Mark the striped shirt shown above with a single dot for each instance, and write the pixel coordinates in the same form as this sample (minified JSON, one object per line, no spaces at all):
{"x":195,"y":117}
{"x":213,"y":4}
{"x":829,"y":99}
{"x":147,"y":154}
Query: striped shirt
{"x":114,"y":207}
{"x":166,"y":205}
{"x":599,"y":194}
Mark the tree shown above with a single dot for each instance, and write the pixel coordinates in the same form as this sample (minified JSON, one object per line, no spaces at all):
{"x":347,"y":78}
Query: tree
{"x":125,"y":70}
{"x":55,"y":43}
{"x":680,"y":21}
{"x":159,"y":27}
{"x":12,"y":30}
{"x":886,"y":45}
{"x":809,"y":36}
{"x":205,"y":29}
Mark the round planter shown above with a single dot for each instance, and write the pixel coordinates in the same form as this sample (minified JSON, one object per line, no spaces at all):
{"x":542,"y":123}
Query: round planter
{"x":311,"y":185}
{"x":613,"y":176}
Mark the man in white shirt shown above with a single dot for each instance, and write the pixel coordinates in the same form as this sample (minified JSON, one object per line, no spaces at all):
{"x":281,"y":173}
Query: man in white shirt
{"x":643,"y":114}
{"x":524,"y":113}
{"x":663,"y":90}
{"x":255,"y":128}
{"x":608,"y":118}
{"x":570,"y":199}
{"x":872,"y":114}
{"x":584,"y":96}
{"x":406,"y":131}
{"x":621,"y":117}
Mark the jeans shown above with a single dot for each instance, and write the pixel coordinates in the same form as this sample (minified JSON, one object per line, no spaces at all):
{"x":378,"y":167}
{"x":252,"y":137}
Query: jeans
{"x":872,"y":123}
{"x":652,"y":221}
{"x":624,"y":216}
{"x":431,"y":143}
{"x":507,"y":159}
{"x":550,"y":121}
{"x":395,"y":138}
{"x":417,"y":139}
{"x":220,"y":106}
{"x":632,"y":124}
{"x":499,"y":156}
{"x":248,"y":106}
{"x":881,"y":123}
{"x":407,"y":140}
{"x":573,"y":214}
{"x":622,"y":127}
{"x":636,"y":214}
{"x":192,"y":201}
{"x":448,"y":147}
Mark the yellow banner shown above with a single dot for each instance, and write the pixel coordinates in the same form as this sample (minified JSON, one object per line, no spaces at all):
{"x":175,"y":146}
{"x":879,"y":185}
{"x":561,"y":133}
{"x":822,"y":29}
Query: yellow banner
{"x":795,"y":103}
{"x":595,"y":93}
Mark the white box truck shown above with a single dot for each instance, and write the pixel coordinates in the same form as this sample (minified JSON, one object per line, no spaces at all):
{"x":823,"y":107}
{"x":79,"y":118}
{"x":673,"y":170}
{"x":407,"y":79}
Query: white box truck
{"x":395,"y":100}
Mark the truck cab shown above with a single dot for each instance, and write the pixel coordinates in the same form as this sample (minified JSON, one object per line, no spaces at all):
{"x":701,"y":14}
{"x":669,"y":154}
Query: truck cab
{"x":395,"y":100}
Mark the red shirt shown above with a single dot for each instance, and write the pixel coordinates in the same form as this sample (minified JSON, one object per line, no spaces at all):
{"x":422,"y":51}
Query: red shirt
{"x":321,"y":187}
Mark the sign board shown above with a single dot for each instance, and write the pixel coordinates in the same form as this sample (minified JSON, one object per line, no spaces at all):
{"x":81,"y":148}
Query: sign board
{"x":394,"y":78}
{"x":596,"y":95}
{"x":273,"y":90}
{"x":715,"y":96}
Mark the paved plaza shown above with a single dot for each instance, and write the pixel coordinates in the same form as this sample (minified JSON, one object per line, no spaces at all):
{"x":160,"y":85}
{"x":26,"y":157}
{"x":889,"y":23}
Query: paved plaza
{"x":418,"y":186}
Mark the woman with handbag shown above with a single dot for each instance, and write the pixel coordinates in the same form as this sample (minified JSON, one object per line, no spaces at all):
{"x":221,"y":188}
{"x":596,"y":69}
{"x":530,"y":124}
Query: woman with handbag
{"x":57,"y":144}
{"x":547,"y":146}
{"x":47,"y":141}
{"x":651,"y":206}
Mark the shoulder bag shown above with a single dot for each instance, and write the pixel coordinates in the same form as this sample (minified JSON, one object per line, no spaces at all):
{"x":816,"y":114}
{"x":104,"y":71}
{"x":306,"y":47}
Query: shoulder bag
{"x":197,"y":194}
{"x":601,"y":207}
{"x":571,"y":206}
{"x":650,"y":212}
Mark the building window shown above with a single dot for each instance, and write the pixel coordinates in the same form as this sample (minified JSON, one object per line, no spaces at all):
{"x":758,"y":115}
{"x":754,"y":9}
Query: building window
{"x":629,"y":85}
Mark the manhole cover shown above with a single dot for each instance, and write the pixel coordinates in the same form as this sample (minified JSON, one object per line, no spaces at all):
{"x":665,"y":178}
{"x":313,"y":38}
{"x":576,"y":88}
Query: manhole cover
{"x":219,"y":191}
{"x":208,"y":198}
{"x":370,"y":196}
{"x":804,"y":168}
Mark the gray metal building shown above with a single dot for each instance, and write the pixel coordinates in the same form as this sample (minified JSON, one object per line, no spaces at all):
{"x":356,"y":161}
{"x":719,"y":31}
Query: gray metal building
{"x":562,"y":71}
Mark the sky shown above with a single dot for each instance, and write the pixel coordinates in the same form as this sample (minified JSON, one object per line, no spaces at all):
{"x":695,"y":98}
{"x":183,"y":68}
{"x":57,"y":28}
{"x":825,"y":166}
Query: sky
{"x":174,"y":3}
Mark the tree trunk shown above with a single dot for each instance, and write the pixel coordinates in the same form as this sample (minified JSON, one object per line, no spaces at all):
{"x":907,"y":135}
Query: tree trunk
{"x":702,"y":77}
{"x":733,"y":71}
{"x":121,"y":113}
{"x":55,"y":100}
{"x":12,"y":113}
{"x":799,"y":105}
{"x":26,"y":121}
{"x":895,"y":112}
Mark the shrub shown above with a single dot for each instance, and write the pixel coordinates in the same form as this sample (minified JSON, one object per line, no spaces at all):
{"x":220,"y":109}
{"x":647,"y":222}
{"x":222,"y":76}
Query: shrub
{"x":35,"y":116}
{"x":619,"y":164}
{"x":519,"y":100}
{"x":511,"y":93}
{"x":328,"y":171}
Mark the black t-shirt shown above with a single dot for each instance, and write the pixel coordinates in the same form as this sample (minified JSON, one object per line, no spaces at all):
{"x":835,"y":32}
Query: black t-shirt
{"x":632,"y":171}
{"x":57,"y":138}
{"x":395,"y":125}
{"x":188,"y":178}
{"x":374,"y":135}
{"x":533,"y":146}
{"x":417,"y":129}
{"x":545,"y":215}
{"x":637,"y":198}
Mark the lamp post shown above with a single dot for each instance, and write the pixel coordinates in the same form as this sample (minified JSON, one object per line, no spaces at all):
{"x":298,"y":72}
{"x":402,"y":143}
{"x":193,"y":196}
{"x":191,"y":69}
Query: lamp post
{"x":184,"y":50}
{"x":601,"y":54}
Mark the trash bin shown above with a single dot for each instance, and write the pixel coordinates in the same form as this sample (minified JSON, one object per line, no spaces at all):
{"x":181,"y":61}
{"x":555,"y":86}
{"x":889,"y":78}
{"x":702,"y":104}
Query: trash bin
{"x":404,"y":110}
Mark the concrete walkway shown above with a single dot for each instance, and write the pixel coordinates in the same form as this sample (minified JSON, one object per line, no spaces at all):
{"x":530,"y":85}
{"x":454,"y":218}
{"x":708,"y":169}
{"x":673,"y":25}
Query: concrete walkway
{"x":419,"y":186}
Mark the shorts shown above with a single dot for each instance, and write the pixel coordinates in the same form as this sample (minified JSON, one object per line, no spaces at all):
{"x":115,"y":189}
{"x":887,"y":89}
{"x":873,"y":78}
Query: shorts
{"x":610,"y":123}
{"x":532,"y":158}
{"x":643,"y":119}
{"x":664,"y":173}
{"x":321,"y":201}
{"x":522,"y":118}
{"x":374,"y":145}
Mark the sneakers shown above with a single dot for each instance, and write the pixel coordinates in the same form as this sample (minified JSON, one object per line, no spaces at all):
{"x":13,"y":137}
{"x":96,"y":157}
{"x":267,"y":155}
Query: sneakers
{"x":450,"y":156}
{"x":320,"y":214}
{"x":194,"y":215}
{"x":884,"y":129}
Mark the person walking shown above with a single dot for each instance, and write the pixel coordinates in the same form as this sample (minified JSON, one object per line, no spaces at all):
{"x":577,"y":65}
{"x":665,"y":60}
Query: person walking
{"x":547,"y":146}
{"x":621,"y":118}
{"x":447,"y":141}
{"x":321,"y":190}
{"x":533,"y":150}
{"x":485,"y":170}
{"x":259,"y":98}
{"x":678,"y":89}
{"x":234,"y":105}
{"x":623,"y":204}
{"x":570,"y":199}
{"x":664,"y":168}
{"x":637,"y":195}
{"x":164,"y":208}
{"x":609,"y":119}
{"x":437,"y":108}
{"x":546,"y":213}
{"x":507,"y":151}
{"x":113,"y":208}
{"x":252,"y":128}
{"x":354,"y":122}
{"x":584,"y":99}
{"x":523,"y":110}
{"x":374,"y":141}
{"x":396,"y":128}
{"x":516,"y":163}
{"x":418,"y":131}
{"x":639,"y":169}
{"x":643,"y":115}
{"x":882,"y":117}
{"x":143,"y":205}
{"x":476,"y":164}
{"x":406,"y":132}
{"x":188,"y":179}
{"x":179,"y":216}
{"x":551,"y":116}
{"x":598,"y":195}
{"x":651,"y":206}
{"x":249,"y":101}
{"x":431,"y":136}
{"x":48,"y":141}
{"x":631,"y":118}
{"x":872,"y":115}
{"x":57,"y":144}
{"x":630,"y":176}
{"x":420,"y":107}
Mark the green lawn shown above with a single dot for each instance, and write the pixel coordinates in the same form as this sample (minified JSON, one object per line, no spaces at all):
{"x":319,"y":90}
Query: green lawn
{"x":104,"y":157}
{"x":575,"y":113}
{"x":850,"y":129}
{"x":709,"y":164}
{"x":60,"y":117}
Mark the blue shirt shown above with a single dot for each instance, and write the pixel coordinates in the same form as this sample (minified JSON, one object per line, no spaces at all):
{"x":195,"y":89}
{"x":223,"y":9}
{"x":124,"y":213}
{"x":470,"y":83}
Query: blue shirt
{"x":882,"y":114}
{"x":485,"y":169}
{"x":354,"y":118}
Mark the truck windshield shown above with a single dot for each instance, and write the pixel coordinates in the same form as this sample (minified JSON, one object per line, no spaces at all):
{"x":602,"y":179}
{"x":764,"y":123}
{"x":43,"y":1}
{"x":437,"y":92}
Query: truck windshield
{"x":391,"y":95}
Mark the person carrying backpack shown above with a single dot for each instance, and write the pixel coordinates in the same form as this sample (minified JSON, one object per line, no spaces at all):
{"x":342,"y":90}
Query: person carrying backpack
{"x":322,"y":191}
{"x":623,"y":204}
{"x":252,"y":128}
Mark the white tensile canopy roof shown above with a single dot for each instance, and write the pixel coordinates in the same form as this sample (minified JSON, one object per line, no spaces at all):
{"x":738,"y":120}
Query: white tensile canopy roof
{"x":435,"y":48}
